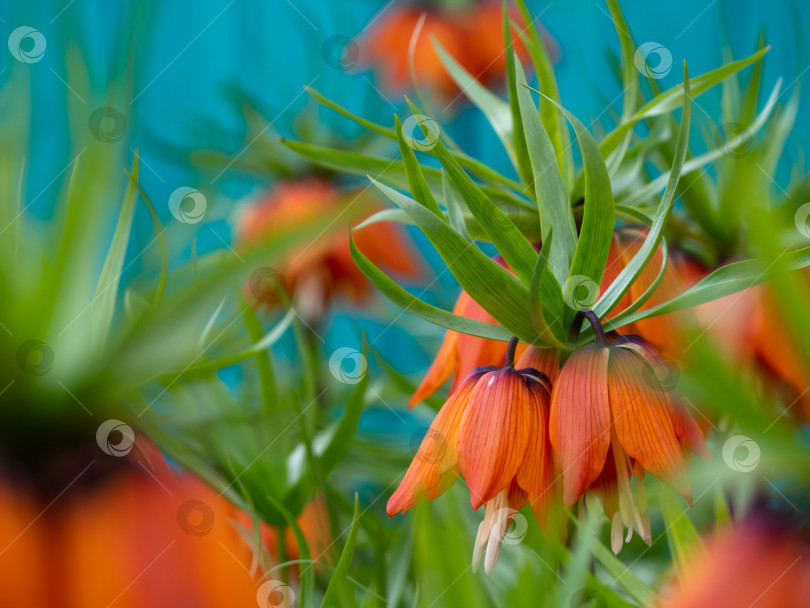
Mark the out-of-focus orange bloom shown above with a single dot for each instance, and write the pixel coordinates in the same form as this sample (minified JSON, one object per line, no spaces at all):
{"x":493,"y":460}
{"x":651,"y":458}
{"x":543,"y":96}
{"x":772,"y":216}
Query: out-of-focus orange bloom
{"x":472,"y":36}
{"x":611,"y":421}
{"x":131,"y":538}
{"x":323,"y":269}
{"x":666,"y":332}
{"x":750,"y":329}
{"x":761,"y":563}
{"x":493,"y":430}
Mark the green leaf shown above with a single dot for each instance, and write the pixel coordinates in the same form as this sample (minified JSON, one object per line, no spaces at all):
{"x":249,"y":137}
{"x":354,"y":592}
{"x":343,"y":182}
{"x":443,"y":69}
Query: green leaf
{"x":550,"y":115}
{"x":371,"y":126}
{"x":455,"y":209}
{"x":494,"y":108}
{"x":724,"y":281}
{"x":670,"y":100}
{"x":340,"y":590}
{"x":399,"y":296}
{"x":524,"y":166}
{"x":552,"y":196}
{"x":307,"y":590}
{"x":599,"y":216}
{"x":416,"y":180}
{"x":684,"y":540}
{"x":393,"y":172}
{"x":103,"y":307}
{"x":488,"y":283}
{"x":641,"y":194}
{"x":338,"y":446}
{"x":628,"y":275}
{"x":629,"y":72}
{"x":535,"y":295}
{"x":516,"y":250}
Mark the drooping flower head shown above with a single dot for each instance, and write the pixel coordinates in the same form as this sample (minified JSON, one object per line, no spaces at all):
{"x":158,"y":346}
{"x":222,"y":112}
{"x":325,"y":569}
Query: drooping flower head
{"x":493,"y":430}
{"x":611,"y":421}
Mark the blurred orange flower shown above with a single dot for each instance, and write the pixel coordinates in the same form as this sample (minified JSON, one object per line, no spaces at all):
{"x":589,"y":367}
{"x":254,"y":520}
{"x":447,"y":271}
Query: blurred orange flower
{"x":472,"y":36}
{"x":323,"y":269}
{"x":137,"y":537}
{"x":762,"y":563}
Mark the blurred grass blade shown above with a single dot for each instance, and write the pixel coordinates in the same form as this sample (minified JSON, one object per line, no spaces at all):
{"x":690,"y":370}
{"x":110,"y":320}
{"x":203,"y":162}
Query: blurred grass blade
{"x":670,"y":100}
{"x":340,"y":591}
{"x":103,"y":308}
{"x":524,"y":166}
{"x":335,"y":451}
{"x":307,"y":571}
{"x":684,"y":541}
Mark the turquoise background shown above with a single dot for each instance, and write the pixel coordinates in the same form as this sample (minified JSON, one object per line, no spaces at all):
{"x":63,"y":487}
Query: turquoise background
{"x":185,"y":55}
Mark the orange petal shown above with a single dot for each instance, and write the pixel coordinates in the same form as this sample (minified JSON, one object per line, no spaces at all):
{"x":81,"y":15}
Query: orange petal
{"x":580,"y":419}
{"x":641,"y":416}
{"x":536,"y":474}
{"x":687,"y":430}
{"x":494,"y":433}
{"x":546,"y":360}
{"x":435,"y":466}
{"x":445,"y":363}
